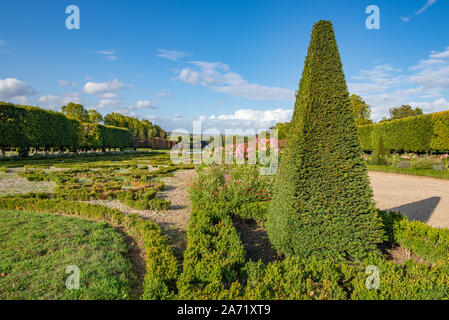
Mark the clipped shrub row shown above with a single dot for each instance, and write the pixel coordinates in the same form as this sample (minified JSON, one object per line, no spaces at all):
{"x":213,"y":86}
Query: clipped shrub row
{"x":214,"y":257}
{"x":136,"y":188}
{"x":424,"y":133}
{"x":143,"y":200}
{"x":25,"y":127}
{"x":306,"y":279}
{"x":161,"y":264}
{"x":99,"y":136}
{"x":215,"y":267}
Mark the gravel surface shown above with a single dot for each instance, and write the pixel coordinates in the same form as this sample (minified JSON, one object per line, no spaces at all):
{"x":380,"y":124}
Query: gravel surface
{"x":173,"y":221}
{"x":419,"y":198}
{"x":11,"y":183}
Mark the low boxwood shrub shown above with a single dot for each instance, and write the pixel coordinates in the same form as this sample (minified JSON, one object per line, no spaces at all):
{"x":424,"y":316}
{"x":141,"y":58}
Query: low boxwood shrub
{"x":214,"y":256}
{"x":256,"y":211}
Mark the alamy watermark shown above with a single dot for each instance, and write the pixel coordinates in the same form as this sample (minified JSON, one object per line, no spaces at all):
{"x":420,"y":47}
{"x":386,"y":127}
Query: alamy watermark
{"x":236,"y":146}
{"x":373,"y":20}
{"x":373,"y":280}
{"x":72,"y":22}
{"x":73,"y":280}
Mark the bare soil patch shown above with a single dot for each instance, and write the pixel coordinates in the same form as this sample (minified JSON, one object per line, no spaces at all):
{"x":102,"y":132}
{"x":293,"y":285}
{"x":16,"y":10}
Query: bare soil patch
{"x":255,"y":240}
{"x":399,"y":255}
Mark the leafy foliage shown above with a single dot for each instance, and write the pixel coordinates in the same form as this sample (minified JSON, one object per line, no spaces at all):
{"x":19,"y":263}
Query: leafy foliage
{"x":139,"y":128}
{"x":362,"y":110}
{"x":24,"y":127}
{"x":404,"y":111}
{"x":75,"y":111}
{"x":322,"y":202}
{"x":379,"y":157}
{"x":425,"y":133}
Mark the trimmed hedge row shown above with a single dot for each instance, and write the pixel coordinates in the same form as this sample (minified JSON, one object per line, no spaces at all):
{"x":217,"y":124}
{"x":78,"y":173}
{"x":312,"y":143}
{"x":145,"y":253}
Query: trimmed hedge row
{"x":297,"y":278}
{"x":425,"y":133}
{"x":215,"y":268}
{"x":214,"y":256}
{"x":161,"y":264}
{"x":24,"y":127}
{"x":99,"y":136}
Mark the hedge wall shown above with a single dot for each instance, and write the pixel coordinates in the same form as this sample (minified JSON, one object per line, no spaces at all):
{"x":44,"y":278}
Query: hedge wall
{"x":24,"y":127}
{"x":100,"y":136}
{"x":425,"y":133}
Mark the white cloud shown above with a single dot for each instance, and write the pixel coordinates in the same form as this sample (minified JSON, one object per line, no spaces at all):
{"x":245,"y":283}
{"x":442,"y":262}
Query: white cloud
{"x":189,"y":76}
{"x":242,"y":119}
{"x":145,"y":104}
{"x":110,"y":95}
{"x":171,"y":54}
{"x":104,"y":87}
{"x":381,"y":75}
{"x":110,"y":103}
{"x":219,"y":78}
{"x":164,"y":94}
{"x":424,"y":85}
{"x":11,"y":89}
{"x":108,"y":54}
{"x":434,"y":106}
{"x":428,"y":4}
{"x":440,"y":55}
{"x":60,"y":100}
{"x":276,"y":115}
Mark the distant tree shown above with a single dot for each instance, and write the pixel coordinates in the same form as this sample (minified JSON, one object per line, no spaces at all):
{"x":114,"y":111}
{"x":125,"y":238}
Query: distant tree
{"x":76,"y":111}
{"x":404,"y":111}
{"x":282,"y":130}
{"x":362,"y":110}
{"x":94,"y":116}
{"x":139,"y":128}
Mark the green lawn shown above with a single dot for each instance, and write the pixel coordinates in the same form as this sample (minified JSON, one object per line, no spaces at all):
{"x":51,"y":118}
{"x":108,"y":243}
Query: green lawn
{"x":417,"y":172}
{"x":37,"y":248}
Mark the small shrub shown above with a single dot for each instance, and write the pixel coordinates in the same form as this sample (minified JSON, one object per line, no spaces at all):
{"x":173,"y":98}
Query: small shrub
{"x":380,"y":154}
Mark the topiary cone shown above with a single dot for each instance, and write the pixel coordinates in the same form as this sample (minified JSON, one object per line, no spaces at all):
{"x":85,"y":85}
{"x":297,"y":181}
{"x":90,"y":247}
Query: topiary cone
{"x":322,"y":201}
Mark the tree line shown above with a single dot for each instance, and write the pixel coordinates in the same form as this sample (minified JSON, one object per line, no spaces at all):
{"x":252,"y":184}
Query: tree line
{"x":75,"y":128}
{"x":143,"y":129}
{"x":362,"y":114}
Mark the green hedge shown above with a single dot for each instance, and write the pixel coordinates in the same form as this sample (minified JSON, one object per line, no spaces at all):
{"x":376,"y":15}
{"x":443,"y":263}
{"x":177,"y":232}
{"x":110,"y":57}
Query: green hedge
{"x":100,"y":136}
{"x":24,"y":127}
{"x":425,"y":133}
{"x":161,"y":264}
{"x":214,"y":256}
{"x":27,"y":127}
{"x":215,"y":268}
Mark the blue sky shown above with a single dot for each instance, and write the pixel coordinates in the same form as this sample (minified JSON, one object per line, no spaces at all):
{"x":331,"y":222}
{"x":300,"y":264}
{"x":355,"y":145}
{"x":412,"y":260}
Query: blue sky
{"x":229,"y":63}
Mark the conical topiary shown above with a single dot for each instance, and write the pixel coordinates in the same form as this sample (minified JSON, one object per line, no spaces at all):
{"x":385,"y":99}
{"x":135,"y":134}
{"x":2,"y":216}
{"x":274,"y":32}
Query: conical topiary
{"x":380,"y":154}
{"x":322,"y":203}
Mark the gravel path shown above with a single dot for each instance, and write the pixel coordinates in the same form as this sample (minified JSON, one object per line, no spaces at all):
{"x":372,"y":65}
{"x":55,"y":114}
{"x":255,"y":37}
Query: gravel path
{"x":173,"y":221}
{"x":11,"y":183}
{"x":419,"y":198}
